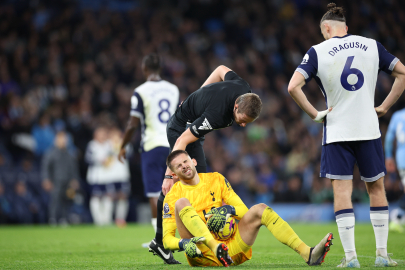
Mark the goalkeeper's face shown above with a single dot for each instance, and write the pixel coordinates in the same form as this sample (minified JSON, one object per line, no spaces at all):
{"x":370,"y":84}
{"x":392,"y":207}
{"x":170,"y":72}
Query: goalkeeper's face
{"x":184,"y":167}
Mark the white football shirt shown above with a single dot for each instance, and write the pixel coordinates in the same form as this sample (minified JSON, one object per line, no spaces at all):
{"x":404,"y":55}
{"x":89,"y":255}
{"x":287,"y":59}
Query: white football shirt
{"x":346,"y":69}
{"x":96,"y":156}
{"x":154,"y":102}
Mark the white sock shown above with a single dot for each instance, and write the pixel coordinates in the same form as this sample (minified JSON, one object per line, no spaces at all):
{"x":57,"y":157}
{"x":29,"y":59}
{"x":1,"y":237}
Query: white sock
{"x":95,"y":208}
{"x":107,"y":210}
{"x":379,"y":217}
{"x":345,"y":222}
{"x":121,"y":209}
{"x":154,"y":222}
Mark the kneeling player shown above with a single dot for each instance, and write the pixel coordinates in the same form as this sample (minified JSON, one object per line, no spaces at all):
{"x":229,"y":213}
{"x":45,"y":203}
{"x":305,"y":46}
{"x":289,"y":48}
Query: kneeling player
{"x":197,"y":196}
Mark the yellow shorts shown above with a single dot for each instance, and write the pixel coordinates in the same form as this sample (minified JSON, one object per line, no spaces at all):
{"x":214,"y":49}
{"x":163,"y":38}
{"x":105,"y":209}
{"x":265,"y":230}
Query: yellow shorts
{"x":238,"y":250}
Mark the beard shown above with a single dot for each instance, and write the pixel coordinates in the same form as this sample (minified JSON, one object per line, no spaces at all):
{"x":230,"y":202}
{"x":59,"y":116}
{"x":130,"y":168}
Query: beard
{"x":187,"y":176}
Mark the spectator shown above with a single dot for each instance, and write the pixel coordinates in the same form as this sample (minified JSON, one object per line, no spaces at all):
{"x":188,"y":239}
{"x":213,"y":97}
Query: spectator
{"x":120,"y":175}
{"x":26,"y":208}
{"x":5,"y":206}
{"x":43,"y":135}
{"x":85,"y":64}
{"x":59,"y":174}
{"x":100,"y":156}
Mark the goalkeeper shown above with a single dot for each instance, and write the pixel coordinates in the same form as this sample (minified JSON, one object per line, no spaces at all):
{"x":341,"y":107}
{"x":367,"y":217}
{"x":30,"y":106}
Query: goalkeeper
{"x":198,"y":197}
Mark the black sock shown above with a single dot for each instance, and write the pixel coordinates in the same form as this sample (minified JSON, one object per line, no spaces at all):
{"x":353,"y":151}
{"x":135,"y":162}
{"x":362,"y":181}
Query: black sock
{"x":159,"y":225}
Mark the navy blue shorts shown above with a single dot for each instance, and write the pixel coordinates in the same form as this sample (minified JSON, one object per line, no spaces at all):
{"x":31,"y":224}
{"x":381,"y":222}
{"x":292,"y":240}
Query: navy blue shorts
{"x":153,"y":170}
{"x":110,"y":189}
{"x":338,"y":159}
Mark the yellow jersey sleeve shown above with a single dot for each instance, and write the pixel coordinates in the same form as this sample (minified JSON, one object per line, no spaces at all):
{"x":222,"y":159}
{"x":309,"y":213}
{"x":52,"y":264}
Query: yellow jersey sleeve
{"x":231,"y":198}
{"x":169,"y":220}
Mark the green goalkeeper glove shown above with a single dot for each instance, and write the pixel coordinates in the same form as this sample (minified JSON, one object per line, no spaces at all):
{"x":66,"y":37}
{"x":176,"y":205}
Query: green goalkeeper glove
{"x":190,"y":247}
{"x":217,"y":217}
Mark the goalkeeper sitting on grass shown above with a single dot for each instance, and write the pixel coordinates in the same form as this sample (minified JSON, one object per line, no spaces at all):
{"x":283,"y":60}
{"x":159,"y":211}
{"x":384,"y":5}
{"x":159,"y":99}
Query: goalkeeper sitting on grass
{"x":198,"y":197}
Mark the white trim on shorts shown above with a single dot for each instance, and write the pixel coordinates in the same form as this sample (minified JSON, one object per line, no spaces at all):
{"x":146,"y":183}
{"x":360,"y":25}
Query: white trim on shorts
{"x":339,"y":177}
{"x":372,"y":179}
{"x":153,"y":194}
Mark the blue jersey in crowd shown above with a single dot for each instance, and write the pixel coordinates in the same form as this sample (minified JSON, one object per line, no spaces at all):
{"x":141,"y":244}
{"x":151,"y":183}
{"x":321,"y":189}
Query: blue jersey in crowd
{"x":396,"y":130}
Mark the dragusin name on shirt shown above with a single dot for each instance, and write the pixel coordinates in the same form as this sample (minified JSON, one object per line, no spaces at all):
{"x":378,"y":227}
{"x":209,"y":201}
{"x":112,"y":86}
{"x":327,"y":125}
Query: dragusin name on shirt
{"x":346,"y":46}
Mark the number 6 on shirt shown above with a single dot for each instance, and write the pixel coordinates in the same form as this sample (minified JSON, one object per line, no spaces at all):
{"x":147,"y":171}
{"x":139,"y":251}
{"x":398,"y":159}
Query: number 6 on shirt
{"x":347,"y":71}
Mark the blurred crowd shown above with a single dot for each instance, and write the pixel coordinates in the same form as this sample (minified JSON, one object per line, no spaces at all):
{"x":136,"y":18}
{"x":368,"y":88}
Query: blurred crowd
{"x":68,"y":67}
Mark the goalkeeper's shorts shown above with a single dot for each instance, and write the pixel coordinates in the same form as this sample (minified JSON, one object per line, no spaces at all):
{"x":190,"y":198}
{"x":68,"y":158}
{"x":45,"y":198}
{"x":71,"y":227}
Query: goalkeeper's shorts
{"x":239,"y":251}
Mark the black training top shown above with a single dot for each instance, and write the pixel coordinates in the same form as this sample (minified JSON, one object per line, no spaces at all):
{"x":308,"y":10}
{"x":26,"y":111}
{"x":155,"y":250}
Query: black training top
{"x":211,"y":107}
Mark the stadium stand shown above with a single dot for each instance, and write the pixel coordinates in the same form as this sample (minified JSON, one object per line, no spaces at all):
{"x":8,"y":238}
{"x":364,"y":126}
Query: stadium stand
{"x":72,"y":65}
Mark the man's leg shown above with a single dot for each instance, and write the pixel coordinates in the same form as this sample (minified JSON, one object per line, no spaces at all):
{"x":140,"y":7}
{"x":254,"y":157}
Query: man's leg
{"x":153,"y":207}
{"x":397,"y":215}
{"x":342,"y":191}
{"x":121,"y":208}
{"x":153,"y":169}
{"x":370,"y":159}
{"x":54,"y":205}
{"x":189,"y":224}
{"x":379,"y":215}
{"x":261,"y":214}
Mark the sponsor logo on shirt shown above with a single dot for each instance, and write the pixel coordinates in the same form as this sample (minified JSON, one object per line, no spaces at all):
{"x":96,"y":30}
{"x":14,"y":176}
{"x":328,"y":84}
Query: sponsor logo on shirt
{"x":228,"y":185}
{"x":305,"y":60}
{"x":195,"y":129}
{"x":205,"y":125}
{"x":166,"y":210}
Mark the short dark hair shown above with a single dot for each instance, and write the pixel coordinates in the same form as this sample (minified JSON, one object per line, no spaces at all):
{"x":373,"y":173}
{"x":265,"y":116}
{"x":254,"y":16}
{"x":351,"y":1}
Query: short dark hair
{"x":172,"y":156}
{"x":334,"y":13}
{"x":152,"y":62}
{"x":249,"y":104}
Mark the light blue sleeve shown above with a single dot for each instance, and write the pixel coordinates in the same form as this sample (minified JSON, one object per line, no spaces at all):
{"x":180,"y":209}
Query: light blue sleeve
{"x":390,"y":136}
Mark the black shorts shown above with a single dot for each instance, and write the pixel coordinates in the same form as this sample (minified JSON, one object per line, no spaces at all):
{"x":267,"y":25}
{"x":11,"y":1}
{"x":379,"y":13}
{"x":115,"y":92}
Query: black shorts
{"x":195,"y":149}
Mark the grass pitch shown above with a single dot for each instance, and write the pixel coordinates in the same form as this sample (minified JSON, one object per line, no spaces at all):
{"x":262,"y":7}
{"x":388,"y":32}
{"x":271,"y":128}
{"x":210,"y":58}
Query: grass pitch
{"x":90,"y":247}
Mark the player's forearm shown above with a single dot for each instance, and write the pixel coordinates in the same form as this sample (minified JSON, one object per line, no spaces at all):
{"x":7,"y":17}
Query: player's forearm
{"x":133,"y":123}
{"x":302,"y":101}
{"x":185,"y":139}
{"x":129,"y":132}
{"x":169,"y":240}
{"x":218,"y":75}
{"x":240,"y":207}
{"x":396,"y":91}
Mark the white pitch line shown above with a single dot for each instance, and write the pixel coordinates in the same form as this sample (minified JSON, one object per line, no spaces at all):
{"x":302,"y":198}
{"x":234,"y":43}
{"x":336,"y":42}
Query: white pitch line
{"x":335,"y":255}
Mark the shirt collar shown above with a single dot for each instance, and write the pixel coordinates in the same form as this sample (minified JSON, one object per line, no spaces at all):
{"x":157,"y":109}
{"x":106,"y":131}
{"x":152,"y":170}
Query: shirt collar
{"x":343,"y":36}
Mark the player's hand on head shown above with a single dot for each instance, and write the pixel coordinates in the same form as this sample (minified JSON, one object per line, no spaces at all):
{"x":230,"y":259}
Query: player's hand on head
{"x":122,"y":155}
{"x":320,"y":117}
{"x":217,"y":217}
{"x":190,"y":247}
{"x":380,"y":111}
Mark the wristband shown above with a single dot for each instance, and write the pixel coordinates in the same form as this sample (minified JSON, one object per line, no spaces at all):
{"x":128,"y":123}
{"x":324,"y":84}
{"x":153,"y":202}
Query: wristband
{"x":168,"y":176}
{"x":320,"y":116}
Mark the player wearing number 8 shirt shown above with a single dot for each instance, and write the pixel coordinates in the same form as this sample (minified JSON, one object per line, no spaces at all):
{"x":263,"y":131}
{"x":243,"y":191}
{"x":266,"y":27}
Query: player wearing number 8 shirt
{"x":152,"y":105}
{"x":345,"y":68}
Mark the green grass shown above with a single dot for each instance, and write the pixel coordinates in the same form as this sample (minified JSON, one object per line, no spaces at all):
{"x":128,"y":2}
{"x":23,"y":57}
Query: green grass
{"x":89,"y":247}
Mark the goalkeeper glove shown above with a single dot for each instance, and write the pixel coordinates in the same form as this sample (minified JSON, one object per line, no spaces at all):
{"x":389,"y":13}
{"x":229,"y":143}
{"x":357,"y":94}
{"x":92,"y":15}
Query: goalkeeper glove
{"x":217,"y":217}
{"x":190,"y":247}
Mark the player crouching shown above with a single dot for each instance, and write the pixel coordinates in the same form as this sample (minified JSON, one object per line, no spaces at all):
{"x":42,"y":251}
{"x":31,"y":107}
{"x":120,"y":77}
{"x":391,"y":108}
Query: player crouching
{"x":198,"y":197}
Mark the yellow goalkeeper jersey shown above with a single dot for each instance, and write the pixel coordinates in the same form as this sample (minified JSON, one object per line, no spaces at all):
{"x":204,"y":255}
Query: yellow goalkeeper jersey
{"x":211,"y":192}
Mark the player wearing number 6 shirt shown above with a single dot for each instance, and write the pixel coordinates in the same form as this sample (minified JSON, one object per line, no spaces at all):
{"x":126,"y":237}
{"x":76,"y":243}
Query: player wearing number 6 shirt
{"x":223,"y":99}
{"x":345,"y":68}
{"x":152,"y":105}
